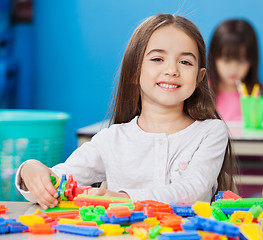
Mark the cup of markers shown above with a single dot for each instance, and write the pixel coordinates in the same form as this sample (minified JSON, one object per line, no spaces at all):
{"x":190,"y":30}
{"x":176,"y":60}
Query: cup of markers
{"x":251,"y":107}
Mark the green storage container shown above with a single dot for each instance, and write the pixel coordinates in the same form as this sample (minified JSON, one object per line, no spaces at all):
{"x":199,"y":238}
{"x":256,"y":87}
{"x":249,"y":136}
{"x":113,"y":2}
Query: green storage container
{"x":252,"y":112}
{"x":28,"y":134}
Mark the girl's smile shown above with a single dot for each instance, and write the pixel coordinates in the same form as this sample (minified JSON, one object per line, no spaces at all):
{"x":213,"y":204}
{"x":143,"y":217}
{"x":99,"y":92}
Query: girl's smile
{"x":167,"y":86}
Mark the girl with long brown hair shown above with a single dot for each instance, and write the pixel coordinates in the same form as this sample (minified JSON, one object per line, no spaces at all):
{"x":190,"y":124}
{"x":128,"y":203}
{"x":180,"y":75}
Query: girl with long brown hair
{"x":167,"y":142}
{"x":233,"y":58}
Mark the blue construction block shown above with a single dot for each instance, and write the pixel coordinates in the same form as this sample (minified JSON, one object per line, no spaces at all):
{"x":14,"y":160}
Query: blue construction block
{"x":3,"y":229}
{"x":230,"y":230}
{"x":180,"y":236}
{"x":16,"y":227}
{"x":63,"y":178}
{"x":137,"y":217}
{"x":230,"y":211}
{"x":11,"y":226}
{"x":189,"y":226}
{"x":219,"y":195}
{"x":3,"y":226}
{"x":209,"y":225}
{"x":183,"y":210}
{"x":105,"y":218}
{"x":242,"y":237}
{"x":115,"y":220}
{"x":79,"y":230}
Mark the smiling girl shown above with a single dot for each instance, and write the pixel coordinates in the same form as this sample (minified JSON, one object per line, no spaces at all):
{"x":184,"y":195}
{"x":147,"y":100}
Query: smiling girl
{"x":163,"y":118}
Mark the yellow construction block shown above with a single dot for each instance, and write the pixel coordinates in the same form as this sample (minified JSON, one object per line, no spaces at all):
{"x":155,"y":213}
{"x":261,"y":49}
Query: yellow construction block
{"x":152,"y":221}
{"x":57,"y":184}
{"x":260,"y":216}
{"x":238,"y":215}
{"x":30,"y":220}
{"x":202,"y":209}
{"x":251,"y":231}
{"x":69,"y":221}
{"x":140,"y":233}
{"x":77,"y":222}
{"x":38,"y":211}
{"x":67,"y":204}
{"x":112,"y":229}
{"x":166,"y":229}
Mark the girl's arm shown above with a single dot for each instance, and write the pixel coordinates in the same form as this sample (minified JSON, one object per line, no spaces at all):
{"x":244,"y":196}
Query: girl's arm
{"x":85,"y":164}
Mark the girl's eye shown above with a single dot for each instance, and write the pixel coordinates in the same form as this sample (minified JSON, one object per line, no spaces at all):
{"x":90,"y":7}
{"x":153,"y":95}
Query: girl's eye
{"x":156,"y":59}
{"x":186,"y":62}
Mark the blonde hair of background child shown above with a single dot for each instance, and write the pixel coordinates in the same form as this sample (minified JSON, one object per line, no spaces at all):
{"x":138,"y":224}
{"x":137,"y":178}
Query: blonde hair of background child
{"x":233,"y":39}
{"x":199,"y":106}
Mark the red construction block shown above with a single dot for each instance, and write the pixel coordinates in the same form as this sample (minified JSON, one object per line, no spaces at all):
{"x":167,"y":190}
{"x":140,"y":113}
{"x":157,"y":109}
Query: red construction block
{"x":3,"y":209}
{"x":70,"y":188}
{"x":230,"y":195}
{"x":81,"y":189}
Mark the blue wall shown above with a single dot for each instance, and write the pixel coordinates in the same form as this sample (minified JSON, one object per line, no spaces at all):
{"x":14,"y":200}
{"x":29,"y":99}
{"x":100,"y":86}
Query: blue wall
{"x":79,"y":46}
{"x":22,"y":53}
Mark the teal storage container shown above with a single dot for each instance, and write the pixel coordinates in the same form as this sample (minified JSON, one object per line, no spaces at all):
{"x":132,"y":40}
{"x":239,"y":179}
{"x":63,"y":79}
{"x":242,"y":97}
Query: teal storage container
{"x":28,"y":134}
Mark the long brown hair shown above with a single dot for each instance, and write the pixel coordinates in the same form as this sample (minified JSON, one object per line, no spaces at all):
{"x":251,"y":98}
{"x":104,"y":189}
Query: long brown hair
{"x":127,"y":101}
{"x":233,"y":39}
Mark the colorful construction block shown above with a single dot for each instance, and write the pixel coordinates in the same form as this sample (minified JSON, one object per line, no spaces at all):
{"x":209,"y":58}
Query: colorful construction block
{"x":202,"y":209}
{"x":180,"y":236}
{"x":111,"y":229}
{"x":79,"y":230}
{"x":41,"y":228}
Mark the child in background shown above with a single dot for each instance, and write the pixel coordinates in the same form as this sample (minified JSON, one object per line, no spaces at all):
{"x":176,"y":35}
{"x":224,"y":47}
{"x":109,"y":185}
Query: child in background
{"x":232,"y":59}
{"x":167,"y":142}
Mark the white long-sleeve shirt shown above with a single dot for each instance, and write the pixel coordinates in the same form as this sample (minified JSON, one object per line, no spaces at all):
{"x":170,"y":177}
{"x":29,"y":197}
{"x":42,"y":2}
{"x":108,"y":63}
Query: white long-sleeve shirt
{"x":178,"y":168}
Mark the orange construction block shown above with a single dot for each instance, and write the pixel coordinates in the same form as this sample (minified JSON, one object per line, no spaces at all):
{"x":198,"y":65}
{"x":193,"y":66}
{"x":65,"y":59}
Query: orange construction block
{"x":64,"y":214}
{"x":41,"y":228}
{"x":119,"y":211}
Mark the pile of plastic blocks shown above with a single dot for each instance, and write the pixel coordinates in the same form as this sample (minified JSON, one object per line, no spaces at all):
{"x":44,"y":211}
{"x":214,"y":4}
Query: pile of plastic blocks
{"x":229,"y":217}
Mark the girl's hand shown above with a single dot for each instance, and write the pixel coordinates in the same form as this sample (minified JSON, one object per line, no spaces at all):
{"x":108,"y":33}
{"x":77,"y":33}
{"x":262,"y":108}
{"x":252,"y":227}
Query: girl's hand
{"x":36,"y":177}
{"x":107,"y":193}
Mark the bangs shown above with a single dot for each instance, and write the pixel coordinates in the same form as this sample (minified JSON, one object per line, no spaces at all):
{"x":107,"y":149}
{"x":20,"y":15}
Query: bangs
{"x":233,"y":51}
{"x":233,"y":47}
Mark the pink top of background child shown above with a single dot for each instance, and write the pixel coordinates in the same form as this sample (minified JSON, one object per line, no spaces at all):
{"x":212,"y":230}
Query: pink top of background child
{"x":228,"y":105}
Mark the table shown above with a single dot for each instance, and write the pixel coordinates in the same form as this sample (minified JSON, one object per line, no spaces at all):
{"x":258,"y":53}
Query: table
{"x":86,"y":133}
{"x":17,"y":209}
{"x":247,"y":142}
{"x":244,"y":143}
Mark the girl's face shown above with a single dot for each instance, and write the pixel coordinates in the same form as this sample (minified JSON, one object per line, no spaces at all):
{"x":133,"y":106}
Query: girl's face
{"x":231,"y":70}
{"x":169,"y":71}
